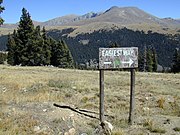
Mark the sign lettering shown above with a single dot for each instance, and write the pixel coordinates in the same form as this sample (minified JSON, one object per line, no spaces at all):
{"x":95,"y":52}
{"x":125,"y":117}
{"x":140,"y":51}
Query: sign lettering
{"x":114,"y":58}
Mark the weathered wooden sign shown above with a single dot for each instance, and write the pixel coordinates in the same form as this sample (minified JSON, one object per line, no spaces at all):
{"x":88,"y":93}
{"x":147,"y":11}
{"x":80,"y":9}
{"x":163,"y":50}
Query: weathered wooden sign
{"x":115,"y":58}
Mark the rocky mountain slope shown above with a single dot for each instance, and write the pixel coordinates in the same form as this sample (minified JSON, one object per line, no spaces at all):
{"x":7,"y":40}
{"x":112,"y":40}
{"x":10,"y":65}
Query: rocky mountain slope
{"x":130,"y":17}
{"x":59,"y":20}
{"x":123,"y":16}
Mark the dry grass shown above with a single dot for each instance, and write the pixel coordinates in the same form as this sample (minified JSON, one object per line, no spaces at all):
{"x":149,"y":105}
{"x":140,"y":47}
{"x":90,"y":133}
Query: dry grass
{"x":24,"y":85}
{"x":17,"y":124}
{"x":161,"y":102}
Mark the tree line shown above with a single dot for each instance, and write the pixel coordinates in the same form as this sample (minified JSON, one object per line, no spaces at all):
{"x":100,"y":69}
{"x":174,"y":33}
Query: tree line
{"x":30,"y":46}
{"x":175,"y":65}
{"x":147,"y":60}
{"x":163,"y":44}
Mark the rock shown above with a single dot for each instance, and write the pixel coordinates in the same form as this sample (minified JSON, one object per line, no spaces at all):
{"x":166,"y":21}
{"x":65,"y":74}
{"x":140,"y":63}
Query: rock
{"x":146,"y":109}
{"x":107,"y":128}
{"x":44,"y":110}
{"x":71,"y":131}
{"x":104,"y":129}
{"x":13,"y":109}
{"x":71,"y":115}
{"x":4,"y":89}
{"x":74,"y":87}
{"x":109,"y":125}
{"x":36,"y":128}
{"x":170,"y":99}
{"x":83,"y":134}
{"x":98,"y":131}
{"x":147,"y":98}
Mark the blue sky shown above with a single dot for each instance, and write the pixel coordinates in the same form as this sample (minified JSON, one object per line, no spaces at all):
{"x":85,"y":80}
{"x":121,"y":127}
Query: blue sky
{"x":43,"y":10}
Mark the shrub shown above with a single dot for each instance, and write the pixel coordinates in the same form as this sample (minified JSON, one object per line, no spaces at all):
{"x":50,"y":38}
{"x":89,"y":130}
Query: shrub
{"x":3,"y":57}
{"x":161,"y":102}
{"x":177,"y":129}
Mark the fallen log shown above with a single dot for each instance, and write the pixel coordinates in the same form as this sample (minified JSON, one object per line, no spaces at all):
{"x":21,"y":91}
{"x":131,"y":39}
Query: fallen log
{"x":75,"y":110}
{"x":80,"y":111}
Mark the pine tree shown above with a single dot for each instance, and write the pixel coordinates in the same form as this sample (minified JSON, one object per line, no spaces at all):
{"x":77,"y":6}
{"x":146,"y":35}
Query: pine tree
{"x":68,"y":61}
{"x":24,"y":37}
{"x":154,"y":59}
{"x":175,"y":68}
{"x":11,"y":49}
{"x":61,"y":56}
{"x":35,"y":47}
{"x":46,"y":48}
{"x":145,"y":59}
{"x":29,"y":47}
{"x":149,"y":61}
{"x":1,"y":10}
{"x":140,"y":62}
{"x":54,"y":52}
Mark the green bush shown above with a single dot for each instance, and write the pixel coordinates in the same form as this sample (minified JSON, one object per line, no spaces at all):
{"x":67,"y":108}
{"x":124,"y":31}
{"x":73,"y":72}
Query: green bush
{"x":177,"y":129}
{"x":3,"y":57}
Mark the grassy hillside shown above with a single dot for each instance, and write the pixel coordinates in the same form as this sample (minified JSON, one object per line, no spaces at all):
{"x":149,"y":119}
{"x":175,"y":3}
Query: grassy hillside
{"x":27,"y":95}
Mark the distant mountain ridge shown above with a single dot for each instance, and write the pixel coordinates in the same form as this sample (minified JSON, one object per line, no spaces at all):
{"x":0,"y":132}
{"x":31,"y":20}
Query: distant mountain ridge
{"x":59,"y":20}
{"x":119,"y":15}
{"x":130,"y":17}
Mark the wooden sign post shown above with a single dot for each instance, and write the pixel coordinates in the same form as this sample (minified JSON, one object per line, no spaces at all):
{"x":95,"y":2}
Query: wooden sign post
{"x":101,"y":95}
{"x":132,"y":97}
{"x":116,"y":58}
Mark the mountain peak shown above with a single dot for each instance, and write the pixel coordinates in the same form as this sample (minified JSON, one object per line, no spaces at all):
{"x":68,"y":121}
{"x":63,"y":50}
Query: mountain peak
{"x":112,"y":8}
{"x":119,"y":8}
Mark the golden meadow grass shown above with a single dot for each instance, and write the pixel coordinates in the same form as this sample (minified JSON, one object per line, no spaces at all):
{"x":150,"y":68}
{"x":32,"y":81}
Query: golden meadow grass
{"x":156,"y":93}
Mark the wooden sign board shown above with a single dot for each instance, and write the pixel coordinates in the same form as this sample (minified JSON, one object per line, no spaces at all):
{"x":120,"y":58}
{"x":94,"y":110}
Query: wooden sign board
{"x":115,"y":58}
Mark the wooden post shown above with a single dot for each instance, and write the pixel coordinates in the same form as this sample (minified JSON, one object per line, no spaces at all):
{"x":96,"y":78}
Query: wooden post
{"x":132,"y":97}
{"x":101,"y":95}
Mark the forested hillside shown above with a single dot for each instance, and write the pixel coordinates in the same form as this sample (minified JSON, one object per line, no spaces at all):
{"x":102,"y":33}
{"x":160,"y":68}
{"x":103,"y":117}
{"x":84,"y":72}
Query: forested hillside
{"x":85,"y":46}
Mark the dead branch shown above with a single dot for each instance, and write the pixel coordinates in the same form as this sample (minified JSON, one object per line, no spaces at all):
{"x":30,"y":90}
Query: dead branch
{"x":75,"y":110}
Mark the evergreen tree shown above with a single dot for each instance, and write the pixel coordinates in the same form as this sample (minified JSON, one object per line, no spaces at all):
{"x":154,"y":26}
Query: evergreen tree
{"x":154,"y":59}
{"x":68,"y":60}
{"x":61,"y":56}
{"x":46,"y":48}
{"x":149,"y":61}
{"x":54,"y":51}
{"x":175,"y":68}
{"x":35,"y":47}
{"x":29,"y":47}
{"x":1,"y":10}
{"x":11,"y":49}
{"x":24,"y":37}
{"x":140,"y":62}
{"x":145,"y":59}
